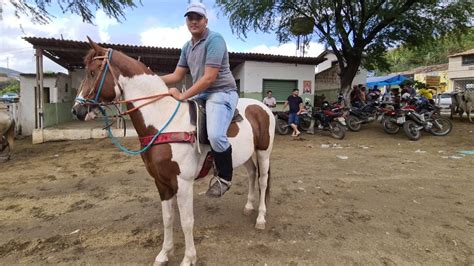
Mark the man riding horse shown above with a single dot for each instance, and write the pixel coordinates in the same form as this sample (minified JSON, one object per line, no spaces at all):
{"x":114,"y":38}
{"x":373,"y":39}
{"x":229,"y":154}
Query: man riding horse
{"x":206,"y":57}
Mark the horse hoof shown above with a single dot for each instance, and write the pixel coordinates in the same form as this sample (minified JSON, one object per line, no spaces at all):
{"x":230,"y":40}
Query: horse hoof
{"x":248,"y":212}
{"x":160,"y":263}
{"x":260,"y":226}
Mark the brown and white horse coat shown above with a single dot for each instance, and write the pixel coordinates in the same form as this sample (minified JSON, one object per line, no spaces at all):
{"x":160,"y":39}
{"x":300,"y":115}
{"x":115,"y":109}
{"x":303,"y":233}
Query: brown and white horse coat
{"x":174,"y":166}
{"x":7,"y":133}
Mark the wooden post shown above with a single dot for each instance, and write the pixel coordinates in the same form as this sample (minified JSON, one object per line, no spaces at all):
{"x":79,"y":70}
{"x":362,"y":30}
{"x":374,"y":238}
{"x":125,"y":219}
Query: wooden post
{"x":39,"y":95}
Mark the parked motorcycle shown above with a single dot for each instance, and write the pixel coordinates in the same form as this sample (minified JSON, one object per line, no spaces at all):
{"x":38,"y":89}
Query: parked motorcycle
{"x":329,"y":118}
{"x":426,"y":116}
{"x":282,"y":127}
{"x":358,"y":116}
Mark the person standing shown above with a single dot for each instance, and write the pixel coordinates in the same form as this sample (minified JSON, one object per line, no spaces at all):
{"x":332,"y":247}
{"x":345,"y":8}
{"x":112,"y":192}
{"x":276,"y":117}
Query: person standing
{"x":270,"y":101}
{"x":207,"y":59}
{"x":296,"y":107}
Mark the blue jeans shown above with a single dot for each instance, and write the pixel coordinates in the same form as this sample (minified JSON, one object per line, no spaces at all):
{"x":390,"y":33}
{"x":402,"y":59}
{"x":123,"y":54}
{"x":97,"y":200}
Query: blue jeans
{"x":293,"y":119}
{"x":220,"y":107}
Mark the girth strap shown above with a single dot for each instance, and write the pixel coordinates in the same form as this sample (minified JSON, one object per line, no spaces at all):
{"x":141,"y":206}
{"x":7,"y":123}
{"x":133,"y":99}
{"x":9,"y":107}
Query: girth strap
{"x":169,"y":137}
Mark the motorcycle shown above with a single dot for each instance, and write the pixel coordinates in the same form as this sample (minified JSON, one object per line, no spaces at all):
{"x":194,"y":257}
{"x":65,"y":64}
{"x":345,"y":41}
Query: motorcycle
{"x":427,"y":117}
{"x":391,"y":119}
{"x":282,"y":127}
{"x":329,"y":118}
{"x":358,"y":116}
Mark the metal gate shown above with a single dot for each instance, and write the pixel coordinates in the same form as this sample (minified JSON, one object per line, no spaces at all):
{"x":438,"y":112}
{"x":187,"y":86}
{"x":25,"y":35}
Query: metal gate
{"x":464,"y":85}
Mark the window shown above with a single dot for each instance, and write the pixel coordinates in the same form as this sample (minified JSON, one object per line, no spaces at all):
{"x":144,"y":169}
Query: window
{"x":468,"y":60}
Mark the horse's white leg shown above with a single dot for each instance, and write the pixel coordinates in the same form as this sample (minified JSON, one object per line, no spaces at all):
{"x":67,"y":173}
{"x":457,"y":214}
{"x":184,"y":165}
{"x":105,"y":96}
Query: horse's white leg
{"x":252,"y":171}
{"x":264,"y":167}
{"x":167,"y":207}
{"x":185,"y":205}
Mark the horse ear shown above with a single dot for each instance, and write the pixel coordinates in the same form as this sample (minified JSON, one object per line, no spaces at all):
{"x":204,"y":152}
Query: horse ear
{"x":95,"y":46}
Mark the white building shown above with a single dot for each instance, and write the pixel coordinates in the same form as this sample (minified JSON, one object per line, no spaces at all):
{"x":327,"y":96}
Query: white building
{"x":254,"y":73}
{"x":327,"y":80}
{"x":461,"y":71}
{"x":58,"y":98}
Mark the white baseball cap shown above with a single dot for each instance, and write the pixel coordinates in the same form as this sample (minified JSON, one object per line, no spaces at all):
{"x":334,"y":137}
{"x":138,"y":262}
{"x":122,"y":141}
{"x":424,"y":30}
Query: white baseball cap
{"x":198,"y":8}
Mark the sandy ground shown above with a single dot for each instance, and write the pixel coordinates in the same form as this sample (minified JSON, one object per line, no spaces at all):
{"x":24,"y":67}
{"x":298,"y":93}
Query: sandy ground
{"x":392,"y":201}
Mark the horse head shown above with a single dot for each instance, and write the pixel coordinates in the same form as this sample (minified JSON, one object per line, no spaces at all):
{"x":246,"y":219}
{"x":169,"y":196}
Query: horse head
{"x":103,"y":69}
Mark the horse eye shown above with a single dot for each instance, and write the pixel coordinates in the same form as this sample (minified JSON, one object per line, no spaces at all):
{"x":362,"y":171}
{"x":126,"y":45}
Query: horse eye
{"x":92,"y":73}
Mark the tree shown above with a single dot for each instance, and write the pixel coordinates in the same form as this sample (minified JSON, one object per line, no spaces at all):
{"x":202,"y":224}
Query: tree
{"x":10,"y":86}
{"x":37,"y":9}
{"x":357,"y":31}
{"x":428,"y":53}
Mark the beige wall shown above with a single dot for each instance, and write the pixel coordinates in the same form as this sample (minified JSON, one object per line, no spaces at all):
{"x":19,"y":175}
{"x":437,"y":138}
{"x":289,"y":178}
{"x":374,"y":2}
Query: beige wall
{"x":456,"y":71}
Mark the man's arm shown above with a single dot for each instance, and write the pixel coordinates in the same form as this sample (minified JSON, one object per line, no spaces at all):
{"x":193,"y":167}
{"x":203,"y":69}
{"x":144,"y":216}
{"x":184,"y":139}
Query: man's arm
{"x":301,"y":109}
{"x":210,"y":75}
{"x":175,"y":77}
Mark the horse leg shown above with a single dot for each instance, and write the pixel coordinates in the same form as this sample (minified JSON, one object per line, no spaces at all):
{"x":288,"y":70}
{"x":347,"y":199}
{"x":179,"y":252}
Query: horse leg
{"x":252,"y":171}
{"x":167,"y":207}
{"x":263,"y":159}
{"x":185,"y":206}
{"x":10,"y":139}
{"x":468,"y":110}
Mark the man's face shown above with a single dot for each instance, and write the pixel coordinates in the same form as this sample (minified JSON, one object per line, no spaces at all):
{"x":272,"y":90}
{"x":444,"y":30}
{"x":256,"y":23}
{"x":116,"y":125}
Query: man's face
{"x":269,"y":94}
{"x":295,"y":93}
{"x":196,"y":23}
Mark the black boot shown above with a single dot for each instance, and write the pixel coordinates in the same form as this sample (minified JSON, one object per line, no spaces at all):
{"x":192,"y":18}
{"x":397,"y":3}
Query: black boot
{"x":224,"y":169}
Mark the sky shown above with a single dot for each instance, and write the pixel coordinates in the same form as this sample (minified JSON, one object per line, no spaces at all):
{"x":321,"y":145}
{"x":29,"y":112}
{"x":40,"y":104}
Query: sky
{"x":154,"y":23}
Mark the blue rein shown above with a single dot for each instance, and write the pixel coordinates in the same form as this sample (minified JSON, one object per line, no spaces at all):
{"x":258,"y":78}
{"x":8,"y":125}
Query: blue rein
{"x":114,"y":140}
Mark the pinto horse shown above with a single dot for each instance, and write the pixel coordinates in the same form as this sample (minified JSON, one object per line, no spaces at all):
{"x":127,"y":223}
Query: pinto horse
{"x":7,"y":133}
{"x":111,"y":76}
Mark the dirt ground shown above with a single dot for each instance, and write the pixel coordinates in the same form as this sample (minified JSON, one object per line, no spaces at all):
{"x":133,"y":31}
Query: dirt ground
{"x":371,"y":198}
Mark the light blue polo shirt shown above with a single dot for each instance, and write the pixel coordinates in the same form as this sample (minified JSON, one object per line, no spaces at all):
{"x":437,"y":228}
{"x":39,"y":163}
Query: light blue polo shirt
{"x":210,"y":51}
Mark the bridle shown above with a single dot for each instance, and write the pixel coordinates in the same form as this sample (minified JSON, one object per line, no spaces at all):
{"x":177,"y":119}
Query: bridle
{"x":105,"y":67}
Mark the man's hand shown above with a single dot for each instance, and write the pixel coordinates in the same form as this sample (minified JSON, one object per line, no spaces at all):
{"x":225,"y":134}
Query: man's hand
{"x":176,"y":94}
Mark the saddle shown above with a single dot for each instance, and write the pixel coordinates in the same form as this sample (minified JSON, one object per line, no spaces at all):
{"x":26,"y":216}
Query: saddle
{"x":197,"y":113}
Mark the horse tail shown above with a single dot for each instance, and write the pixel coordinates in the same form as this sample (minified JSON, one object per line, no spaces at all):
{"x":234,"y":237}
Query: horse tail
{"x":11,"y":136}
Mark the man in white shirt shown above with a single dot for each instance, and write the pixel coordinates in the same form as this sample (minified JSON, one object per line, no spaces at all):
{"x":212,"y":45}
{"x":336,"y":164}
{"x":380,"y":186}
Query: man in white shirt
{"x":270,"y":101}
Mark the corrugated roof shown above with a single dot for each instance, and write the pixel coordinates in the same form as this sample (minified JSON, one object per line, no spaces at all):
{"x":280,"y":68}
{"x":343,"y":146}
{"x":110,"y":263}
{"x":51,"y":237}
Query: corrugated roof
{"x":70,"y":54}
{"x":468,"y":52}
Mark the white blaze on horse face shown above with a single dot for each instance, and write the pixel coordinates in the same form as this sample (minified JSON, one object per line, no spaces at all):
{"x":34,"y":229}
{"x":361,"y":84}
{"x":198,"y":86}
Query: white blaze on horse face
{"x":157,"y":113}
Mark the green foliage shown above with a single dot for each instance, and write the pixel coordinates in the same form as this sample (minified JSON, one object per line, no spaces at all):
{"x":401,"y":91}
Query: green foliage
{"x":37,"y":9}
{"x":10,"y":86}
{"x":428,"y":53}
{"x":419,"y":85}
{"x":358,"y":32}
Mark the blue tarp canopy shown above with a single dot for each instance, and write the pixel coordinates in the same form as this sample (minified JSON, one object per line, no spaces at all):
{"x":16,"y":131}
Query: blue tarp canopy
{"x":385,"y":80}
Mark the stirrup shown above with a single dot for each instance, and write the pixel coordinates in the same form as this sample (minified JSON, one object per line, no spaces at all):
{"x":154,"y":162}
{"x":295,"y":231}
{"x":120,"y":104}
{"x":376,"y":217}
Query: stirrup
{"x":219,"y":181}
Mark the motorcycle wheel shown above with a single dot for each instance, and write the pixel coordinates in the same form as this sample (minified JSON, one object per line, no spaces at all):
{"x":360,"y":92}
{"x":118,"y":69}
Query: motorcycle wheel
{"x":441,"y":126}
{"x":337,"y":130}
{"x":353,"y":123}
{"x":304,"y":125}
{"x":389,"y":127}
{"x":410,"y":128}
{"x":282,"y":127}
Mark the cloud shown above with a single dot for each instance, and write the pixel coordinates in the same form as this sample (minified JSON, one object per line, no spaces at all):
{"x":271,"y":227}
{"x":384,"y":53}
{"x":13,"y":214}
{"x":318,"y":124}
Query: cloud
{"x":289,"y":49}
{"x":165,"y":36}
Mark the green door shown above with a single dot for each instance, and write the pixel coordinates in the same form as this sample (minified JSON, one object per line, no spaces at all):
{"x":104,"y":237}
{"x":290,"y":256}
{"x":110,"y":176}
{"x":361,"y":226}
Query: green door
{"x":281,"y":88}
